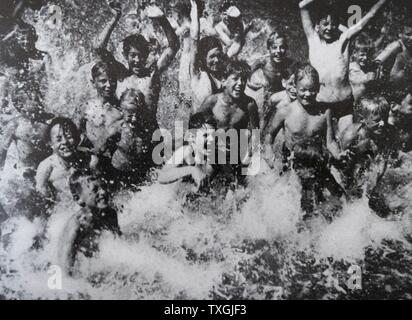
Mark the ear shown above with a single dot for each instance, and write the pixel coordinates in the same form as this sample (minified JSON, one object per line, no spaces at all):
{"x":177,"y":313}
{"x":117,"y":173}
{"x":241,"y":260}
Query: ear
{"x":284,"y":83}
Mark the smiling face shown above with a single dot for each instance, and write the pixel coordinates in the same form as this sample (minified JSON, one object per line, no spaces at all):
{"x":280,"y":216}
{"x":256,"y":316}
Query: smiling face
{"x":130,"y":109}
{"x":278,"y":50}
{"x":93,"y":195}
{"x":136,"y":60}
{"x":105,"y":85}
{"x":327,"y":29}
{"x":363,"y":56}
{"x":306,"y":90}
{"x":235,"y":86}
{"x":62,"y":141}
{"x":214,"y":61}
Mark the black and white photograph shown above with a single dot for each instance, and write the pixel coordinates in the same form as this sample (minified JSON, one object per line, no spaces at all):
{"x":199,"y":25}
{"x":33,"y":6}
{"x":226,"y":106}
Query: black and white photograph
{"x":188,"y":150}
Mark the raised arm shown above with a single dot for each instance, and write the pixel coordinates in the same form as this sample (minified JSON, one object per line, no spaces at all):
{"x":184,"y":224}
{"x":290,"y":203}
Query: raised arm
{"x":194,"y":38}
{"x":354,"y":30}
{"x":102,"y":40}
{"x":390,"y":51}
{"x":307,"y":22}
{"x":172,"y":39}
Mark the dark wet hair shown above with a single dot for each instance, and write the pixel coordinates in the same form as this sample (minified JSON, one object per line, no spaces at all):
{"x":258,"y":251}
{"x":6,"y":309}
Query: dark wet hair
{"x":136,"y":41}
{"x":103,"y":67}
{"x":66,"y":124}
{"x":237,"y":67}
{"x":205,"y":45}
{"x":307,"y":155}
{"x":322,"y":11}
{"x":273,"y":37}
{"x":306,"y":70}
{"x":198,"y":120}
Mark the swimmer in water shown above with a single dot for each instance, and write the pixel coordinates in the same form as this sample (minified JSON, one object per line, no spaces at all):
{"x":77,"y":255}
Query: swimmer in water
{"x":52,"y":178}
{"x":304,"y":122}
{"x":132,"y":158}
{"x":136,"y":50}
{"x":206,"y":67}
{"x":364,"y":70}
{"x":83,"y":231}
{"x":230,"y":30}
{"x":274,"y":68}
{"x":329,"y":54}
{"x":190,"y":162}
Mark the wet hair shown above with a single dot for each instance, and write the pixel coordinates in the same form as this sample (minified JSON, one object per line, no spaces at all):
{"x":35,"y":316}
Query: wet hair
{"x":237,"y":67}
{"x":306,"y":70}
{"x":133,"y":95}
{"x":66,"y":124}
{"x":198,"y":120}
{"x":363,"y":41}
{"x":103,"y":67}
{"x":273,"y":37}
{"x":322,"y":11}
{"x":136,"y":41}
{"x":374,"y":105}
{"x":205,"y":45}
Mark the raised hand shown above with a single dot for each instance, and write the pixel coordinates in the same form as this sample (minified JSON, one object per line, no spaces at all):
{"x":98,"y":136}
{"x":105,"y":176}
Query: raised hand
{"x":115,"y":7}
{"x":154,"y":12}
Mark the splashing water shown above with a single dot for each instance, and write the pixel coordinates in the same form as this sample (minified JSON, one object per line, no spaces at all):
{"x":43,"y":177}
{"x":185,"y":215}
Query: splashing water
{"x":242,"y":244}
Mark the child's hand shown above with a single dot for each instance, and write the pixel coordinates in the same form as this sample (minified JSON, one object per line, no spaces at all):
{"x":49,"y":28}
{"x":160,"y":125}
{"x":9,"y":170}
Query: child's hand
{"x":116,"y":7}
{"x":154,"y":12}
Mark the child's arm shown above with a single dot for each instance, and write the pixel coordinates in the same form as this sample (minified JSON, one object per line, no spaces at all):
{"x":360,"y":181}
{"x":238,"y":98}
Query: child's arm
{"x":194,"y":37}
{"x":103,"y":39}
{"x":42,"y":177}
{"x":172,"y":39}
{"x":390,"y":51}
{"x":173,"y":170}
{"x":331,"y":143}
{"x":354,"y":30}
{"x":5,"y":142}
{"x":271,"y":133}
{"x":307,"y":22}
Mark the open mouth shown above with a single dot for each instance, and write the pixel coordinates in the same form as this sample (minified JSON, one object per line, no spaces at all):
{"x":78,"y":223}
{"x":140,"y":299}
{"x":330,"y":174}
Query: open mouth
{"x":65,"y":150}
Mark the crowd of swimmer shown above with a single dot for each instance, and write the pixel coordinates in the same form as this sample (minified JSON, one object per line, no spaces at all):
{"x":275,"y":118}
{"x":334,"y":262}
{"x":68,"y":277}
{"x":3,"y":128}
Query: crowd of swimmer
{"x":348,"y":108}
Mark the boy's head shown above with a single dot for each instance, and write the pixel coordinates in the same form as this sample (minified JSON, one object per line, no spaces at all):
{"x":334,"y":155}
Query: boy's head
{"x":363,"y":48}
{"x":104,"y":79}
{"x":201,"y":133}
{"x":277,"y":46}
{"x":406,"y":34}
{"x":307,"y":85}
{"x":63,"y":136}
{"x":211,"y":55}
{"x":136,"y":49}
{"x":131,"y":102}
{"x":401,"y":113}
{"x":236,"y":74}
{"x":307,"y":160}
{"x":230,"y":13}
{"x":327,"y":23}
{"x":88,"y":191}
{"x":373,"y":113}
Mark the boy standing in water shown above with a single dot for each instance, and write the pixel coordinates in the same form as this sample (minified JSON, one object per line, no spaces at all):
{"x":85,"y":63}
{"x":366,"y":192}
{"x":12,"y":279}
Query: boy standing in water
{"x":101,"y":117}
{"x":304,"y":122}
{"x":329,"y":54}
{"x":136,"y":49}
{"x":84,"y":229}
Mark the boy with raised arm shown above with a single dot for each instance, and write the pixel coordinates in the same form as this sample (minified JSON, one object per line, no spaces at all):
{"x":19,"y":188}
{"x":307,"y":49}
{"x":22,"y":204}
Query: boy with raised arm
{"x":365,"y":72}
{"x":136,"y":50}
{"x":207,"y":60}
{"x":231,"y":30}
{"x":329,"y":54}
